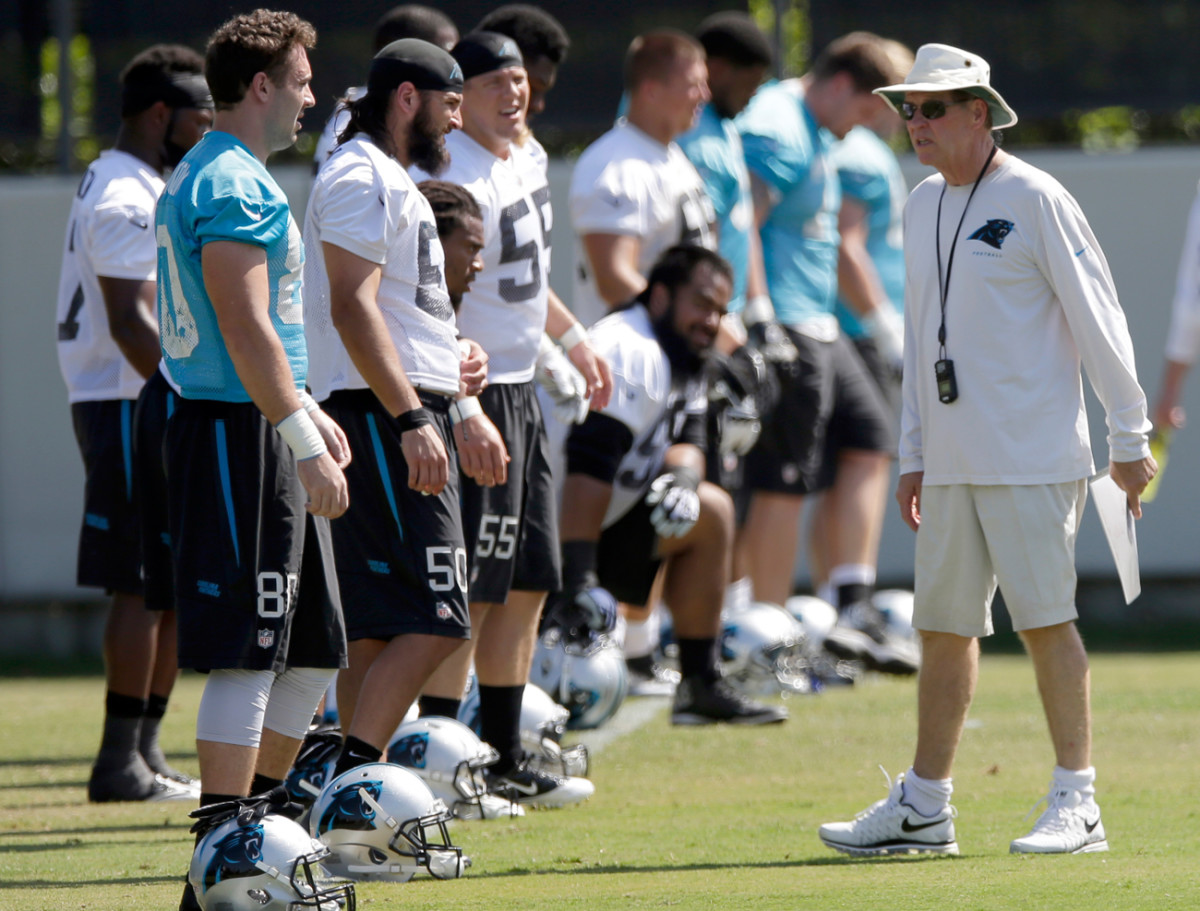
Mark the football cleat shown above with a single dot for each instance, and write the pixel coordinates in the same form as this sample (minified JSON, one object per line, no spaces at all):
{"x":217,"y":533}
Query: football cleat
{"x":861,"y":633}
{"x":535,"y":788}
{"x":135,"y":784}
{"x":700,"y":702}
{"x":1070,"y":825}
{"x":890,"y":826}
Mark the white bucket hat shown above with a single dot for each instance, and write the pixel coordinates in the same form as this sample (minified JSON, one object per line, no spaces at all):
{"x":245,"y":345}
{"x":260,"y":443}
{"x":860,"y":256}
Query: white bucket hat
{"x":942,"y":68}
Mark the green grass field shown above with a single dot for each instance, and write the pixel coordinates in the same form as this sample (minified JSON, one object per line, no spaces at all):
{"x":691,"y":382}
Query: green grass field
{"x":687,"y":818}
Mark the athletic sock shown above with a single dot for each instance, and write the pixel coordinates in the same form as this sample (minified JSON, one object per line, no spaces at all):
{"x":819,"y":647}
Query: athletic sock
{"x":928,"y":796}
{"x":500,"y":723}
{"x":148,"y":745}
{"x":1083,"y":781}
{"x":642,"y":636}
{"x":263,"y":783}
{"x":356,"y":752}
{"x":698,"y":658}
{"x":853,"y":582}
{"x":122,"y":723}
{"x":739,"y":594}
{"x":443,"y":706}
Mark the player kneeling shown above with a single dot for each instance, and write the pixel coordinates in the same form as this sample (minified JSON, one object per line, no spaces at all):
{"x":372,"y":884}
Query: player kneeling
{"x":634,"y":502}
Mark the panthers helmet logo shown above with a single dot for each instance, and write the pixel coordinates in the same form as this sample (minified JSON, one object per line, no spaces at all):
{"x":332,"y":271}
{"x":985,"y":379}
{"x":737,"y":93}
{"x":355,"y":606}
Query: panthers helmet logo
{"x":347,"y":809}
{"x":235,"y":855}
{"x":994,"y":232}
{"x":409,"y":750}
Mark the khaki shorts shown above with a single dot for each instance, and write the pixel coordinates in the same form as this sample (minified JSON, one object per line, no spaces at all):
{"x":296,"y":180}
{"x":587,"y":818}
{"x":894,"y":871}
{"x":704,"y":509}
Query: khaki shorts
{"x":971,"y":537}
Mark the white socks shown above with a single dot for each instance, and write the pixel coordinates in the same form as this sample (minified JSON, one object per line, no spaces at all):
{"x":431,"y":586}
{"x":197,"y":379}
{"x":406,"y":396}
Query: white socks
{"x":1083,"y":781}
{"x":928,"y":796}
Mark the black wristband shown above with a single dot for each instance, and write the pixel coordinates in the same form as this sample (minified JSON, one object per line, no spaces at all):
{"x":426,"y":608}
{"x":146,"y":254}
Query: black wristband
{"x":579,"y":565}
{"x":411,"y":420}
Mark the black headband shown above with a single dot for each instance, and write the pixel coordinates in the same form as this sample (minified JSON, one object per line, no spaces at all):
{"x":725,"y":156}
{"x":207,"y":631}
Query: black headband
{"x":425,"y":65}
{"x":176,"y":90}
{"x":484,"y":52}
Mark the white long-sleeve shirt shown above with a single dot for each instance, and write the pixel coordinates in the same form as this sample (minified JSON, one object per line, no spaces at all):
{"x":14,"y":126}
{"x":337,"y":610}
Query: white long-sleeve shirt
{"x":1030,"y":299}
{"x":1183,"y":338}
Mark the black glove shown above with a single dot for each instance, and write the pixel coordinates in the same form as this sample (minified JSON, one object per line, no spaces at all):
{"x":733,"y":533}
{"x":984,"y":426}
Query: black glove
{"x":583,"y":604}
{"x":246,"y":810}
{"x":676,"y":502}
{"x":777,"y":349}
{"x":742,"y":392}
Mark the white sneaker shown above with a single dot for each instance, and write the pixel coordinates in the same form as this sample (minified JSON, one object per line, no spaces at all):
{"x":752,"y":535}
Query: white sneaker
{"x":489,"y":806}
{"x":891,"y":826}
{"x":1070,"y":825}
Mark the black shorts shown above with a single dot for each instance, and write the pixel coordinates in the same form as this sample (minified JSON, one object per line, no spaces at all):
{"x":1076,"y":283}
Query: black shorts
{"x":830,"y":392}
{"x":155,"y":406}
{"x":512,"y":529}
{"x":868,"y":422}
{"x":109,"y":547}
{"x":627,"y":560}
{"x":401,"y":560}
{"x":886,"y":377}
{"x":255,"y":587}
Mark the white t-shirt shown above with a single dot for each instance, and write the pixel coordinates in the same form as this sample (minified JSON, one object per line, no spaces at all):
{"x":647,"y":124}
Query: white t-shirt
{"x":628,"y":183}
{"x":1030,"y":299}
{"x":1183,"y":338}
{"x":644,"y":399}
{"x":505,"y":309}
{"x":110,"y":233}
{"x":337,"y":122}
{"x":363,"y":201}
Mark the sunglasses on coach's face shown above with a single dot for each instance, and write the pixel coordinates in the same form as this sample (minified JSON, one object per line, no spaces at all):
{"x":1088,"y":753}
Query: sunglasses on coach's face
{"x":930,"y":110}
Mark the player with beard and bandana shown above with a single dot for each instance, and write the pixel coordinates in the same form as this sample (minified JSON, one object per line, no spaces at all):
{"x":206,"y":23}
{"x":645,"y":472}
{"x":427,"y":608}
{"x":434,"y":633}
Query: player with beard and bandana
{"x":108,"y":347}
{"x":634,"y":501}
{"x":385,"y":359}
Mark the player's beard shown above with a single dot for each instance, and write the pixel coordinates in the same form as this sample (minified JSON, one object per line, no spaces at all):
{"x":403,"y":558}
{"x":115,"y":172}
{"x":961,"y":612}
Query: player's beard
{"x":686,"y":362}
{"x":427,"y":144}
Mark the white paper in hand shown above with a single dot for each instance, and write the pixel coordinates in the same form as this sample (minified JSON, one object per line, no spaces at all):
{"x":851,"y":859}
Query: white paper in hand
{"x":1112,"y":505}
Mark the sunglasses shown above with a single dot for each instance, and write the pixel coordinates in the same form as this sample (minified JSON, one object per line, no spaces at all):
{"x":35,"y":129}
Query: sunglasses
{"x":930,"y":110}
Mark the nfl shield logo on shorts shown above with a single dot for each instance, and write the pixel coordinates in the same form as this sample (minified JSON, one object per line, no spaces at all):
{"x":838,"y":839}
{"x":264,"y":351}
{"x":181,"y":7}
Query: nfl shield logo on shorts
{"x":443,"y":611}
{"x":266,"y":638}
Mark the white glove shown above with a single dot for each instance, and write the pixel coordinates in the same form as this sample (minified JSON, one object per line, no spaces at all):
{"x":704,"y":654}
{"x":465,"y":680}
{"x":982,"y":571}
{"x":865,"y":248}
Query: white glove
{"x":740,"y":429}
{"x":562,"y":382}
{"x":676,"y":502}
{"x":886,"y":327}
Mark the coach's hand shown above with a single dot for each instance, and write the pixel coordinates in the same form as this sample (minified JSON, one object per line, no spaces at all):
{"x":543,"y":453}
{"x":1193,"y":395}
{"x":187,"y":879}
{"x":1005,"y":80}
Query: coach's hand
{"x":908,"y":495}
{"x":676,"y":502}
{"x":1132,"y":477}
{"x":328,"y":493}
{"x":428,"y":465}
{"x":481,"y":451}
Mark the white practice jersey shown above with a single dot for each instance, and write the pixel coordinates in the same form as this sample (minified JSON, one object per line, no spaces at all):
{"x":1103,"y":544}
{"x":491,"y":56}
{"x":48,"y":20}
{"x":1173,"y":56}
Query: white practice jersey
{"x":505,"y":310}
{"x":110,"y":233}
{"x":337,"y":122}
{"x":365,"y":203}
{"x":645,"y":399}
{"x":628,"y":183}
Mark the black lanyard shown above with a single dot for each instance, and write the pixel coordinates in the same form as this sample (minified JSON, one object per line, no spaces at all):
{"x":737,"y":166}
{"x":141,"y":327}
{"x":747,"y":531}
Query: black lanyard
{"x":944,"y":285}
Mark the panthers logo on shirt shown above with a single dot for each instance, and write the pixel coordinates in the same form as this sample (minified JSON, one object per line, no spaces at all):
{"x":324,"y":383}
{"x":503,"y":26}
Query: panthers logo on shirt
{"x":994,"y":232}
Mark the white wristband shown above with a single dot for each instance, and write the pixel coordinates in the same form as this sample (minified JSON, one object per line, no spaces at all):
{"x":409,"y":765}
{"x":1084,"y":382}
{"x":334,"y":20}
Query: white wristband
{"x":758,"y":309}
{"x":463,"y":409}
{"x":573,"y":336}
{"x":307,"y":402}
{"x":301,"y":435}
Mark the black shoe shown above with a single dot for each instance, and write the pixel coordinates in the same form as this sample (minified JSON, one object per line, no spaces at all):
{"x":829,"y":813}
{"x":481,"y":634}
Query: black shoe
{"x":861,"y":634}
{"x":649,"y":678}
{"x":135,"y":783}
{"x":189,"y":902}
{"x":698,"y":701}
{"x":533,"y":787}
